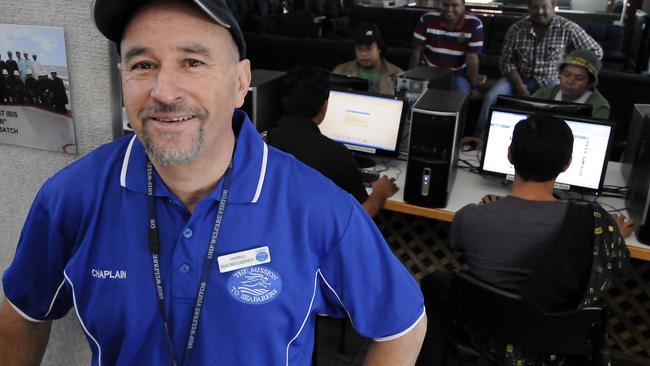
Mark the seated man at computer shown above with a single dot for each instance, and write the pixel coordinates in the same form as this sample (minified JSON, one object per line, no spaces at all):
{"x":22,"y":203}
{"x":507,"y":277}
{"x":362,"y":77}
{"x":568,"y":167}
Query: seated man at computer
{"x":304,"y":102}
{"x":578,"y":79}
{"x":369,"y":62}
{"x":558,"y":255}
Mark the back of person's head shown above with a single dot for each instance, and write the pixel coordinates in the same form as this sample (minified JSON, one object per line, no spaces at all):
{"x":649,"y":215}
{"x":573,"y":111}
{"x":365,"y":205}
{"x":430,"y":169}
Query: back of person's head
{"x":306,"y":88}
{"x":541,"y":147}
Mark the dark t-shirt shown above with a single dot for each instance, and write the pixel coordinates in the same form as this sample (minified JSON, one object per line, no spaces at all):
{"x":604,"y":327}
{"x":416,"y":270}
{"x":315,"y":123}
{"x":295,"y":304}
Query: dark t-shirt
{"x":503,"y":240}
{"x":302,"y":138}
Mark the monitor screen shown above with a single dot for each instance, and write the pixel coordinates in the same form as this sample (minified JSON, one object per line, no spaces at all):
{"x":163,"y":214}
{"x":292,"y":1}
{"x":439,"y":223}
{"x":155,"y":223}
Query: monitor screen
{"x":551,"y":106}
{"x":591,"y":141}
{"x":364,"y":122}
{"x":342,"y":82}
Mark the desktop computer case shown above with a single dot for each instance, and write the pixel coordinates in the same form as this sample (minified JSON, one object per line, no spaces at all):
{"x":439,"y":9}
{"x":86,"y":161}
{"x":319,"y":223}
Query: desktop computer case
{"x":437,"y":124}
{"x":638,"y":196}
{"x":634,"y":135}
{"x":410,"y":85}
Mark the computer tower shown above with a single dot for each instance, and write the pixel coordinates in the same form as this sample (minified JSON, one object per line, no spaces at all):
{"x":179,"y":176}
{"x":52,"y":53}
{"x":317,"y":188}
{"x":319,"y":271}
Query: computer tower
{"x":418,"y":79}
{"x":634,"y":135}
{"x":410,"y":85}
{"x":437,"y":123}
{"x":263,"y":101}
{"x":638,"y":196}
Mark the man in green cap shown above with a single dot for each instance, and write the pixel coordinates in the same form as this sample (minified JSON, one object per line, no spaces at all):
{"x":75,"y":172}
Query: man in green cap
{"x":578,"y":79}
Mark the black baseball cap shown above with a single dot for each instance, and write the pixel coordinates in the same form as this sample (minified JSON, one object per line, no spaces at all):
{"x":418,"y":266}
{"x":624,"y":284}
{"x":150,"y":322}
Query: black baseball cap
{"x":367,"y":33}
{"x":112,"y":16}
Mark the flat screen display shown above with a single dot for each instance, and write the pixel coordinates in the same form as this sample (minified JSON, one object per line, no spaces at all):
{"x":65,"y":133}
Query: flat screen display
{"x":549,"y":106}
{"x":364,"y":122}
{"x":591,"y":141}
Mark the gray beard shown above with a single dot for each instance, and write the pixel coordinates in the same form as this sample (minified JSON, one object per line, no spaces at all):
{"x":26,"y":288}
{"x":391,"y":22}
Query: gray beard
{"x":166,"y":157}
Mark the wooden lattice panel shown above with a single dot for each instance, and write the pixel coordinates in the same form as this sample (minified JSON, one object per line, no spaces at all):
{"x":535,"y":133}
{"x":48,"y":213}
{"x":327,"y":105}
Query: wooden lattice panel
{"x":421,"y":244}
{"x":629,"y":303}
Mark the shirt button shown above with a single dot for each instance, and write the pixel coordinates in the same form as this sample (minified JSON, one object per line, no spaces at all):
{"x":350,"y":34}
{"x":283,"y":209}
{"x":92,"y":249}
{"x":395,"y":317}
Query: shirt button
{"x":187,"y":233}
{"x":185,"y":267}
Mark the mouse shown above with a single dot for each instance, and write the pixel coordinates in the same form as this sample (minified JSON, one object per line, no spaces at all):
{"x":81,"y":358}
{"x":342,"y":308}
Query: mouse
{"x":471,"y":143}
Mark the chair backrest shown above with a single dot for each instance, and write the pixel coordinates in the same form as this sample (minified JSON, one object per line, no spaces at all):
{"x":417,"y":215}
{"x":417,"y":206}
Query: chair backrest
{"x":506,"y":316}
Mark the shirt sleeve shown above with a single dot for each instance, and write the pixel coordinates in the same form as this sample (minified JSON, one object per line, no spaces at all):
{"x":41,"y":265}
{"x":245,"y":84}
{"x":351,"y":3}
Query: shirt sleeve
{"x":379,"y":295}
{"x":476,"y":42}
{"x":544,"y":93}
{"x":34,"y":283}
{"x":348,"y":176}
{"x":339,"y":69}
{"x":456,"y":232}
{"x":506,"y":62}
{"x":420,"y":32}
{"x":601,"y":108}
{"x":581,"y":40}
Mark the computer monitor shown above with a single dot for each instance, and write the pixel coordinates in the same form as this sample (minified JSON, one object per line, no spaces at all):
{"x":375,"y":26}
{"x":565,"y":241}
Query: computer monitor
{"x":636,"y":132}
{"x":263,"y":100}
{"x":344,"y":82}
{"x":591,"y":145}
{"x":545,"y":105}
{"x":364,"y":122}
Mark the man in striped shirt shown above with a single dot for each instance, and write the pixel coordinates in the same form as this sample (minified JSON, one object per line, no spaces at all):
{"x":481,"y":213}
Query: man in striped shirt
{"x":450,"y":39}
{"x":533,"y":49}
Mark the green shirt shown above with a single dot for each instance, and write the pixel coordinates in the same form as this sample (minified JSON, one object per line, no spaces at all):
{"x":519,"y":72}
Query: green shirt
{"x":373,"y":78}
{"x":599,"y":103}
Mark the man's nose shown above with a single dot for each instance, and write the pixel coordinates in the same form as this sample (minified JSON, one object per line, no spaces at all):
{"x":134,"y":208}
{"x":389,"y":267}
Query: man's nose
{"x":167,"y":88}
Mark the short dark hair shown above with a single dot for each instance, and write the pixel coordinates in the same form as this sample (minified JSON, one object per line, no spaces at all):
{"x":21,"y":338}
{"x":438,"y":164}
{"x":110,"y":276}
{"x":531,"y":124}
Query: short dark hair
{"x":541,"y":147}
{"x":306,"y":88}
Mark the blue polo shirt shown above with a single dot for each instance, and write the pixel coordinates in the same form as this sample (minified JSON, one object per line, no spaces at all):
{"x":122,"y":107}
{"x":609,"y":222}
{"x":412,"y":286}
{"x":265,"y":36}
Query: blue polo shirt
{"x":84,"y":245}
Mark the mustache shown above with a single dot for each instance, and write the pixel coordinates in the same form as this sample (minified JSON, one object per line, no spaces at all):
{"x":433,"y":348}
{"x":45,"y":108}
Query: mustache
{"x":159,"y":108}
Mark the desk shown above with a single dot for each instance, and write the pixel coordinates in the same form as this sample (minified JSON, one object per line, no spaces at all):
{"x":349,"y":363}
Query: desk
{"x":471,"y":187}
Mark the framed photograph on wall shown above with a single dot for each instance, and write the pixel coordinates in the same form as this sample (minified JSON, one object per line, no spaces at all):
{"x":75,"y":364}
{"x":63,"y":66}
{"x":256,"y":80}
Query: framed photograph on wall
{"x":35,"y":89}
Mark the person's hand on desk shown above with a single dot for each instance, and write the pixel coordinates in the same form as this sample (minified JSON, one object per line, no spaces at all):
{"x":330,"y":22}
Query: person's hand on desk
{"x":625,"y":225}
{"x":489,"y":198}
{"x":384,"y":187}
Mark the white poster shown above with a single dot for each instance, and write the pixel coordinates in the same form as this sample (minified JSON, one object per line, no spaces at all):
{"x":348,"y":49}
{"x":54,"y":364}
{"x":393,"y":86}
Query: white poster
{"x":34,"y":89}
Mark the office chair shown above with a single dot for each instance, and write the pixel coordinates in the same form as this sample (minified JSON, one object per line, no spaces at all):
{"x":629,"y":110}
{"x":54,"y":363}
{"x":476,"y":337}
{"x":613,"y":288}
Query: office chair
{"x":478,"y":308}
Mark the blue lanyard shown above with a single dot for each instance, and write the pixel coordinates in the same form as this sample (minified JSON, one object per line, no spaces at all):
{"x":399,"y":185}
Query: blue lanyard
{"x":154,"y":249}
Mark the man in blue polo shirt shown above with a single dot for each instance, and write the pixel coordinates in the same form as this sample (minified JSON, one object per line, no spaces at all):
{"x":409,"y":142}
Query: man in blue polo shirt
{"x":193,"y":242}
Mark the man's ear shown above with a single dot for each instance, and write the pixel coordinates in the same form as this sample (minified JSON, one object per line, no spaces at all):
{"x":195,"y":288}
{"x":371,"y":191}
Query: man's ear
{"x":323,"y":108}
{"x":567,"y":165}
{"x":321,"y":113}
{"x":243,"y":70}
{"x":510,"y":155}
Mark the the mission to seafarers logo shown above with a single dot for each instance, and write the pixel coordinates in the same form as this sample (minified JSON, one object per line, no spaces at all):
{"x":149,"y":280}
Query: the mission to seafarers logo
{"x":255,"y":285}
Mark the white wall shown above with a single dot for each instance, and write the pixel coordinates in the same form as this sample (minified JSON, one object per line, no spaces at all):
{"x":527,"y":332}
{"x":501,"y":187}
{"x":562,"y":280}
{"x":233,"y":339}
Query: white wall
{"x":23,"y":170}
